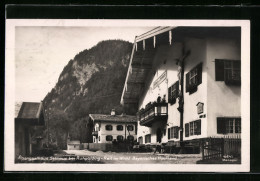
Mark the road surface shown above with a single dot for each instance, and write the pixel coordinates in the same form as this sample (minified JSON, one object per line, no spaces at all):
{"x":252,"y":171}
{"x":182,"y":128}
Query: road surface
{"x":135,"y":158}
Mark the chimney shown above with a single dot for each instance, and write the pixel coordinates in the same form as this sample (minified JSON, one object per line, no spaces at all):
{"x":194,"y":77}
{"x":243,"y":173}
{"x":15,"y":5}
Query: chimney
{"x":113,"y":112}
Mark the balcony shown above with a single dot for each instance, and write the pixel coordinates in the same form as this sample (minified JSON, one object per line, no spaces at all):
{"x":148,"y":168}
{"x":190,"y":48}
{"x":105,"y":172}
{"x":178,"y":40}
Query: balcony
{"x":94,"y":133}
{"x":153,"y":112}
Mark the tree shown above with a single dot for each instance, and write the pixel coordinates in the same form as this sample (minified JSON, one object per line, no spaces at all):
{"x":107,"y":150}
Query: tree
{"x":59,"y":126}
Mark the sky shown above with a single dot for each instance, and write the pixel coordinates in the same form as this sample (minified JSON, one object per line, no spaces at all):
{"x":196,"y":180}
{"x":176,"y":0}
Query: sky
{"x":41,"y":52}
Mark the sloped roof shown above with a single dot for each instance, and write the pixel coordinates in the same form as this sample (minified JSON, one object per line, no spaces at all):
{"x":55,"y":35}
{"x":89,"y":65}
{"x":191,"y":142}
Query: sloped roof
{"x":144,"y":51}
{"x":18,"y":106}
{"x":28,"y":110}
{"x":114,"y":118}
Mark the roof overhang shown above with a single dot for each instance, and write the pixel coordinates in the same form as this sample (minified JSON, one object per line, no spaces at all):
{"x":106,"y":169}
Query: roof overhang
{"x":30,"y":113}
{"x":141,"y":62}
{"x":144,"y":48}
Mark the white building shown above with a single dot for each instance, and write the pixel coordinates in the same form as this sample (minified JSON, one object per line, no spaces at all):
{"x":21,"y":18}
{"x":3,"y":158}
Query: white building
{"x":107,"y":128}
{"x":211,"y":59}
{"x":73,"y":144}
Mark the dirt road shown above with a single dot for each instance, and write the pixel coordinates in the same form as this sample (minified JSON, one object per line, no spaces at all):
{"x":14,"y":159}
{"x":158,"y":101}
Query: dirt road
{"x":135,"y":158}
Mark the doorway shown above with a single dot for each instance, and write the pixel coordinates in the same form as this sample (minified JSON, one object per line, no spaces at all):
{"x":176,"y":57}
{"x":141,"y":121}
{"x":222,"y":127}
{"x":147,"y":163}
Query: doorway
{"x":159,"y":135}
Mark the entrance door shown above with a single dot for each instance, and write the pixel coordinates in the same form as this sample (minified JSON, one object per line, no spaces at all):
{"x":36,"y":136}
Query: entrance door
{"x":159,"y":135}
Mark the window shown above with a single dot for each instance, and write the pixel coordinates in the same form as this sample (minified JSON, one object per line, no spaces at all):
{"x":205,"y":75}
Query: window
{"x":140,"y":140}
{"x":130,"y":127}
{"x":187,"y":127}
{"x":192,"y":128}
{"x":109,"y":127}
{"x":194,"y":78}
{"x":99,"y":138}
{"x":228,"y":71}
{"x":130,"y":138}
{"x":97,"y":127}
{"x":173,"y":93}
{"x":176,"y":132}
{"x":195,"y":127}
{"x":109,"y":138}
{"x":228,"y":125}
{"x":173,"y":132}
{"x":148,"y":138}
{"x":119,"y":127}
{"x":119,"y":138}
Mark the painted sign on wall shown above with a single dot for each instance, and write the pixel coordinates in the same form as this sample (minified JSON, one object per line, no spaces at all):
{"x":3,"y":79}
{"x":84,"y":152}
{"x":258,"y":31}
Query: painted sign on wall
{"x":200,"y":107}
{"x":160,"y":79}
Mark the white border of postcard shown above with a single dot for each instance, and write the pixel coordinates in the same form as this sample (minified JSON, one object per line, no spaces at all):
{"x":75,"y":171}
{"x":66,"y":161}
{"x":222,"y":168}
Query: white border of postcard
{"x":9,"y":164}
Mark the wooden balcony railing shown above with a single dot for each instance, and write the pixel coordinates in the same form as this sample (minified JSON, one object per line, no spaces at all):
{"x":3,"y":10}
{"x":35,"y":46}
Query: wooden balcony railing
{"x":152,"y":113}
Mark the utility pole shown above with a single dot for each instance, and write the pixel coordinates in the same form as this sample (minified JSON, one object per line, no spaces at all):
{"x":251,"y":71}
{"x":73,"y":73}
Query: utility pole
{"x":181,"y":98}
{"x":180,"y":64}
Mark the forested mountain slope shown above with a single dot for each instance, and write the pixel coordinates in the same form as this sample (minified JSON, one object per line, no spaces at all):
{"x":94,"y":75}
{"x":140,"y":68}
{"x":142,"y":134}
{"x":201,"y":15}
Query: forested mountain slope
{"x":90,"y":83}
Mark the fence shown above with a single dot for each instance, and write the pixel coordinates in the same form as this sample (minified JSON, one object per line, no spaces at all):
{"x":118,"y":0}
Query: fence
{"x":225,"y":148}
{"x":119,"y":147}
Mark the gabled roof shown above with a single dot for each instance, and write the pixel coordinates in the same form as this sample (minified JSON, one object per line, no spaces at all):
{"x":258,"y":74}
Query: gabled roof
{"x":29,"y":113}
{"x":113,"y":118}
{"x":18,"y":106}
{"x":29,"y":110}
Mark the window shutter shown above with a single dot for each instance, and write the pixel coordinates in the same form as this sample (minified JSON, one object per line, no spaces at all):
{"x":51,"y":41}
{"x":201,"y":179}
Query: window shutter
{"x":172,"y":132}
{"x":219,"y":70}
{"x":187,"y":82}
{"x":199,"y":71}
{"x":177,"y":89}
{"x":237,"y":72}
{"x":221,"y":126}
{"x":169,"y":95}
{"x":169,"y":133}
{"x":187,"y":130}
{"x":176,"y":132}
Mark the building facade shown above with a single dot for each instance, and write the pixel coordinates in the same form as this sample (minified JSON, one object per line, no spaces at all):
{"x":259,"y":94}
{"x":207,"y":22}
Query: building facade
{"x":186,"y":83}
{"x":109,"y":128}
{"x":27,"y":115}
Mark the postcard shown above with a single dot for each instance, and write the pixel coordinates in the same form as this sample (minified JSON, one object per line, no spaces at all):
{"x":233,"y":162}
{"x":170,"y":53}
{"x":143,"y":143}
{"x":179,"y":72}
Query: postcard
{"x":95,"y":95}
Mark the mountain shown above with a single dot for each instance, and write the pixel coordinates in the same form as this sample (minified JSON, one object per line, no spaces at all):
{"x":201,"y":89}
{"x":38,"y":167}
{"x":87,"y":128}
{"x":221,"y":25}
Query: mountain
{"x":90,"y":83}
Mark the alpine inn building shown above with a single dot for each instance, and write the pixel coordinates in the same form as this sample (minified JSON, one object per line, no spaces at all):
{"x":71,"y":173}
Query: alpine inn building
{"x":186,"y":83}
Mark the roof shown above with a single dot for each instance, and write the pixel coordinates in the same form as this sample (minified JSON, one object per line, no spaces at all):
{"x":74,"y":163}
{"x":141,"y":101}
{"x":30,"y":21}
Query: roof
{"x":18,"y":106}
{"x":144,"y":49}
{"x":28,"y":110}
{"x":113,"y":118}
{"x":153,"y":32}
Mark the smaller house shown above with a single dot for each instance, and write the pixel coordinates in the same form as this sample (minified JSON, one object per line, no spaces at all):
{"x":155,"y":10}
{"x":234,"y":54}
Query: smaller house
{"x":27,"y":115}
{"x":108,"y":128}
{"x":73,"y":145}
